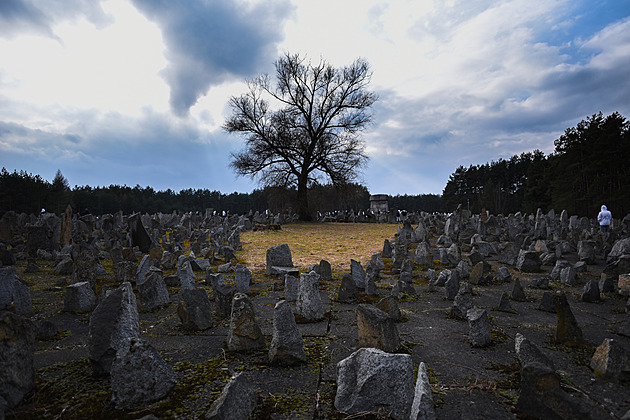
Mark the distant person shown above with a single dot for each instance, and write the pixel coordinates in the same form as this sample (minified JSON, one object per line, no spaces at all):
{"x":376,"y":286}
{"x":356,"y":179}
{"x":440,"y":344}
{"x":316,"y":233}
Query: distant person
{"x":604,"y":217}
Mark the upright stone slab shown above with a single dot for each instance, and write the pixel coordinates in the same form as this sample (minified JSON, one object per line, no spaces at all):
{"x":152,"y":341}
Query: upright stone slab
{"x":528,"y":352}
{"x":348,"y":291}
{"x":389,"y":305}
{"x":611,"y":361}
{"x":22,"y":304}
{"x":112,"y":321}
{"x":528,"y":261}
{"x":194,"y":309}
{"x":422,"y":405}
{"x":590,"y":293}
{"x":371,"y":380}
{"x":504,"y":303}
{"x":143,"y":269}
{"x":518,"y":294}
{"x":451,"y":287}
{"x":376,"y":329}
{"x":237,"y":401}
{"x":244,"y":333}
{"x":152,"y":292}
{"x":278,"y":256}
{"x":309,"y":302}
{"x":242,"y":279}
{"x":567,"y":330}
{"x":138,"y":234}
{"x":480,"y":333}
{"x":291,"y":285}
{"x":462,"y":302}
{"x":223,"y":297}
{"x":17,"y":350}
{"x":79,"y":298}
{"x":139,"y":374}
{"x":185,"y":274}
{"x":547,"y":302}
{"x":357,"y":273}
{"x":325,"y":271}
{"x":287,"y":345}
{"x":387,"y":249}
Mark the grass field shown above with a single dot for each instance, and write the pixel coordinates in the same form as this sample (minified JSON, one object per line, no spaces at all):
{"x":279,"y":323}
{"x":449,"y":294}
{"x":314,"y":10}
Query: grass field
{"x":336,"y":243}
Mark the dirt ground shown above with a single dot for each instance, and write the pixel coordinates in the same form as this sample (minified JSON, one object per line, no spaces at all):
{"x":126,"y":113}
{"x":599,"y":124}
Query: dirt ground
{"x":467,"y":382}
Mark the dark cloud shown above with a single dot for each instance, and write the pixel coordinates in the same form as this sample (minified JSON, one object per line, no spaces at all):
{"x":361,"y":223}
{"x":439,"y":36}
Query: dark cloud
{"x":209,"y":42}
{"x":24,"y":16}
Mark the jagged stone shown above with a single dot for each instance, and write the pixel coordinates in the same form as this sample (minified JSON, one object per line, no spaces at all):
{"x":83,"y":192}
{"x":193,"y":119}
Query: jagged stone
{"x":237,"y":401}
{"x":79,"y":297}
{"x":376,"y":329}
{"x":567,"y":330}
{"x":547,"y":303}
{"x":371,"y":380}
{"x":287,"y":345}
{"x":309,"y":302}
{"x":422,"y":405}
{"x":518,"y":294}
{"x":185,"y":273}
{"x":504,"y":275}
{"x":611,"y":361}
{"x":194,"y":309}
{"x":462,"y":302}
{"x":112,"y":321}
{"x":17,"y":350}
{"x":325,"y":270}
{"x":451,"y":287}
{"x":590,"y":293}
{"x":606,"y":284}
{"x":568,"y":276}
{"x":389,"y":305}
{"x":242,"y":279}
{"x":528,"y":352}
{"x":223,"y":297}
{"x":278,"y":256}
{"x":291,"y":285}
{"x":152,"y":292}
{"x":539,"y":283}
{"x":139,"y":374}
{"x":357,"y":273}
{"x":528,"y":261}
{"x":504,"y":303}
{"x":480,"y":333}
{"x":244,"y":333}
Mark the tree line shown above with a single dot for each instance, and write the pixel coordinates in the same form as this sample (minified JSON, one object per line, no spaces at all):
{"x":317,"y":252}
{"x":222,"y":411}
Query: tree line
{"x":588,"y":168}
{"x":23,"y":192}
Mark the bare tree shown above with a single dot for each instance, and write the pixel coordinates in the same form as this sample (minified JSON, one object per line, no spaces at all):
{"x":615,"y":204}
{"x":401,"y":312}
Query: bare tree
{"x":314,"y":132}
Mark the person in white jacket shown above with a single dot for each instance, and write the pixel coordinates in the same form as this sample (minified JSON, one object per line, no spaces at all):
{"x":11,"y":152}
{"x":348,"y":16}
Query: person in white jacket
{"x":604,"y":217}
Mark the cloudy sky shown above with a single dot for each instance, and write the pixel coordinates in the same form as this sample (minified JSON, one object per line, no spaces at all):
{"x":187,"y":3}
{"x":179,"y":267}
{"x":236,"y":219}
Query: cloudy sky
{"x":135,"y":91}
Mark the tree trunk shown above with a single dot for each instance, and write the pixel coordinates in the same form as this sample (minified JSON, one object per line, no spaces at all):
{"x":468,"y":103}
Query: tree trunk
{"x":302,"y":200}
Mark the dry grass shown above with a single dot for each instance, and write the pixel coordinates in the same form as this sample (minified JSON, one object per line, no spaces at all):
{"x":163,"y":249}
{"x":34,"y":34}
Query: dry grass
{"x":336,"y":243}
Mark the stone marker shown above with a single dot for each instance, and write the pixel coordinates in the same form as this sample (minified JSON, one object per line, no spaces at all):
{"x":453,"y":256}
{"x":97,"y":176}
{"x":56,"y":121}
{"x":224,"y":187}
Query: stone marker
{"x":518,"y":294}
{"x":348,"y":291}
{"x":547,"y":303}
{"x":376,"y":329}
{"x":480,"y":333}
{"x":611,"y":361}
{"x":504,"y":303}
{"x":309,"y":302}
{"x":139,"y":374}
{"x":623,"y":284}
{"x":387,"y":249}
{"x":528,"y":352}
{"x":357,"y":273}
{"x":244,"y":333}
{"x":17,"y":350}
{"x":143,"y":269}
{"x":287,"y":345}
{"x":389,"y":305}
{"x":152,"y":292}
{"x":79,"y":298}
{"x":112,"y":321}
{"x":242,"y":279}
{"x":606,"y":284}
{"x":528,"y":261}
{"x":568,"y":276}
{"x":590,"y":293}
{"x":462,"y":302}
{"x":278,"y":256}
{"x":194,"y":309}
{"x":223,"y":297}
{"x":185,"y":274}
{"x":422,"y":405}
{"x":325,"y":271}
{"x":567,"y":330}
{"x":451,"y":287}
{"x":291,"y":285}
{"x":237,"y":401}
{"x":371,"y":380}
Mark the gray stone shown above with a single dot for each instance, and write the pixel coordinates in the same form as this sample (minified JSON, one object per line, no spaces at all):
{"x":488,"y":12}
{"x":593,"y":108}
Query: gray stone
{"x":309,"y":302}
{"x":586,"y":251}
{"x":143,"y":269}
{"x":606,"y":284}
{"x":422,"y":405}
{"x":79,"y":298}
{"x":371,"y":380}
{"x":21,"y":296}
{"x":451,"y":287}
{"x":462,"y":302}
{"x":138,"y":234}
{"x":357,"y":273}
{"x":547,"y":303}
{"x":185,"y":274}
{"x":504,"y":303}
{"x":242,"y":279}
{"x":45,"y":330}
{"x":215,"y":280}
{"x":125,"y":271}
{"x":389,"y":305}
{"x":476,"y":273}
{"x":112,"y":321}
{"x":560,"y":265}
{"x":387,"y":249}
{"x":348,"y":291}
{"x":611,"y":361}
{"x":139,"y":374}
{"x":568,"y":276}
{"x":237,"y":401}
{"x":518,"y":294}
{"x":443,"y":277}
{"x":223,"y":297}
{"x":291,"y":285}
{"x":504,"y":275}
{"x":423,"y":256}
{"x":480,"y":333}
{"x":325,"y":271}
{"x":528,"y":352}
{"x":376,"y":329}
{"x":528,"y":261}
{"x":194,"y":309}
{"x":287,"y":345}
{"x":244,"y":333}
{"x":152,"y":292}
{"x":278,"y":256}
{"x":17,"y":350}
{"x":590,"y":293}
{"x":64,"y":267}
{"x":463,"y":269}
{"x":567,"y":330}
{"x":539,"y":283}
